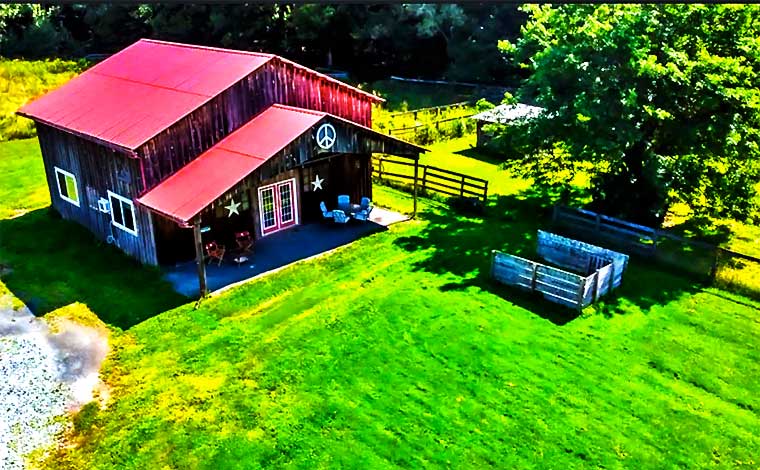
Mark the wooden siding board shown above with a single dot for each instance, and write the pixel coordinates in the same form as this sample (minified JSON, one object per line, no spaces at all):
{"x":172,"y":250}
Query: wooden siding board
{"x":101,"y":169}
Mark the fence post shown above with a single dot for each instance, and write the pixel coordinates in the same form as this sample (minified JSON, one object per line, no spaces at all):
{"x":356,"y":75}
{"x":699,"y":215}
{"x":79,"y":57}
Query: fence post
{"x":380,"y":168}
{"x":714,"y":267}
{"x":612,"y":278}
{"x":581,"y":289}
{"x":424,"y":178}
{"x":533,"y":277}
{"x":416,"y":173}
{"x":493,"y":264}
{"x":555,"y":214}
{"x":461,"y":189}
{"x":596,"y":286}
{"x":598,"y":223}
{"x":485,"y":193}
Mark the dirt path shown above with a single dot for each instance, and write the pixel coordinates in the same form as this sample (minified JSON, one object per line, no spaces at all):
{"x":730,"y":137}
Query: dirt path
{"x":43,"y":374}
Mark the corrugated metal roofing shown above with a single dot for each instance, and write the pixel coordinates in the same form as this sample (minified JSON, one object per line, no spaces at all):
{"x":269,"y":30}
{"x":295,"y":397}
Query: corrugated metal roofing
{"x":199,"y":183}
{"x":140,"y":91}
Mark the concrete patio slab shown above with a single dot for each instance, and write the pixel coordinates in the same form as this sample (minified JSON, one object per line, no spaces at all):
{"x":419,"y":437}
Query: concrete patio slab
{"x":278,"y":250}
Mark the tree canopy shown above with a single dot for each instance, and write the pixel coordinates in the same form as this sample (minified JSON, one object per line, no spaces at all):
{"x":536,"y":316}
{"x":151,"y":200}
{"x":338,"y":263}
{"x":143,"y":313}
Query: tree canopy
{"x":370,"y":41}
{"x":663,"y":100}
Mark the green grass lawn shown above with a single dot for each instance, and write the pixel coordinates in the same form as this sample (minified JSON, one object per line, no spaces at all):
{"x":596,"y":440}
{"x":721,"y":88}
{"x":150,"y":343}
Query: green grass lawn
{"x":398,"y":351}
{"x":402,"y":96}
{"x":22,"y":178}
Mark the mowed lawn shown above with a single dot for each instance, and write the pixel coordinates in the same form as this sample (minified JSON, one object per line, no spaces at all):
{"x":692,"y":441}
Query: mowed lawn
{"x":398,"y":351}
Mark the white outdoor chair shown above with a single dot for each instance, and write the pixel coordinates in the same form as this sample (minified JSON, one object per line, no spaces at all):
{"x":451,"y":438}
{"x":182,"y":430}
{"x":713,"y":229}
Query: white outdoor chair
{"x":340,"y":217}
{"x":366,"y":208}
{"x":344,"y":203}
{"x":325,"y":213}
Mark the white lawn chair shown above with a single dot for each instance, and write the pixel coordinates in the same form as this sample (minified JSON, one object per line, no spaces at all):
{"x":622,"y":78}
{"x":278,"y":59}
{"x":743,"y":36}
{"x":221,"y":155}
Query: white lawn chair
{"x":340,"y":217}
{"x":366,"y":208}
{"x":325,"y":213}
{"x":344,"y":203}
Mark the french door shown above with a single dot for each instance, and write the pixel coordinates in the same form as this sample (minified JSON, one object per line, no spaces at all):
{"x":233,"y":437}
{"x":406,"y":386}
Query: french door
{"x":277,"y":206}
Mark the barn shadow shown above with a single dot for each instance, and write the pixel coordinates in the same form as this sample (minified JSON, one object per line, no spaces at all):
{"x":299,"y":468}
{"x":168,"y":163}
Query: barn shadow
{"x":48,"y":262}
{"x":461,"y":244}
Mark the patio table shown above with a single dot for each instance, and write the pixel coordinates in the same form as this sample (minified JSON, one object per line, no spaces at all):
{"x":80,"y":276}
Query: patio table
{"x":354,"y":208}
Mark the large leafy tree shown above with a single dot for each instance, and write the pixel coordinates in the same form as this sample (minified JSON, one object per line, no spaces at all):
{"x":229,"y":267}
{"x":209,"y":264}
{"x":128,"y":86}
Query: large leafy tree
{"x":662,"y":99}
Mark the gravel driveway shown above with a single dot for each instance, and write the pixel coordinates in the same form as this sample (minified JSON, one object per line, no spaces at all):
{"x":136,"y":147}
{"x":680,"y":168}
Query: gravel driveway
{"x":42,"y":376}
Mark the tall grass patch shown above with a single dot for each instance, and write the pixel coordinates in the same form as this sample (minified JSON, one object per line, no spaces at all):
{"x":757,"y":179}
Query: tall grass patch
{"x":21,"y":81}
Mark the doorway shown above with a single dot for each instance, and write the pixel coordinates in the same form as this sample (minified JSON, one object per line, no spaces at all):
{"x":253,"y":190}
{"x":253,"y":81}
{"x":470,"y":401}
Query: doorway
{"x":278,"y":206}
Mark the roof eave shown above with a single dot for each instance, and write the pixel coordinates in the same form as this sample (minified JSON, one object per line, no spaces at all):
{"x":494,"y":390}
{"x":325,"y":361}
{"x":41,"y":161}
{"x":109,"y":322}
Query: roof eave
{"x":119,"y":148}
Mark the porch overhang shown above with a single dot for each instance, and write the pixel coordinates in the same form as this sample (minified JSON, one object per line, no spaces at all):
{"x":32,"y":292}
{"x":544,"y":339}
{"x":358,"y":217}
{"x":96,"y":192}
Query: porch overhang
{"x":186,"y":193}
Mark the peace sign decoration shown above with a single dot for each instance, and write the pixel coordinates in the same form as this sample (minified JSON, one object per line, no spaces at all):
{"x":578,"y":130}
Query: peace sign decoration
{"x":326,"y":136}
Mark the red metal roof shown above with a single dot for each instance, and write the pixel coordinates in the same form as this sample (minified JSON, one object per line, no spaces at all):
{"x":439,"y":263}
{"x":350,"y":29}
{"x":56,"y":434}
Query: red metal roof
{"x":142,"y":90}
{"x":199,"y":183}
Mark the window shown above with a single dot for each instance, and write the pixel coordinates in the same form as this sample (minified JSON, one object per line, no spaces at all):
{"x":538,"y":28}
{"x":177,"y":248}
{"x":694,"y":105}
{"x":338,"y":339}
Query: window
{"x":123,"y":213}
{"x":67,"y":186}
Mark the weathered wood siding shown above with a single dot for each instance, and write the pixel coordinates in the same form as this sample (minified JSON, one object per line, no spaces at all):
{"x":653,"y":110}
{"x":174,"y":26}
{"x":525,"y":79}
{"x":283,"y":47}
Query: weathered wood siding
{"x":276,"y":82}
{"x":578,"y":256}
{"x":97,"y":169}
{"x":287,"y":83}
{"x":555,"y":284}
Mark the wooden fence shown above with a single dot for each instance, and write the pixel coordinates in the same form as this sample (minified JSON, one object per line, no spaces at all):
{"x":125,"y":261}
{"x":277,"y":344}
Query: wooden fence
{"x":417,"y":127}
{"x":603,"y":270}
{"x":729,"y":268}
{"x":432,"y":109}
{"x":431,"y":178}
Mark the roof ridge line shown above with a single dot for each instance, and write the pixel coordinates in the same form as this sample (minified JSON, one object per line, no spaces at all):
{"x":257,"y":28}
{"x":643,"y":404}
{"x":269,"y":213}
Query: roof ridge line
{"x":146,"y":83}
{"x":209,"y":48}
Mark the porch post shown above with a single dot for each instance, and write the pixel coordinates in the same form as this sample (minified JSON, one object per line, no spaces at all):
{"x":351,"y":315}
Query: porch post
{"x":416,"y":170}
{"x":203,"y":289}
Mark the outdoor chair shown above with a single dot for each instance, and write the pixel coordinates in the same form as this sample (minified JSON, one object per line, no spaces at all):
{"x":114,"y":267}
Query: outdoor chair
{"x":344,"y":203}
{"x":325,"y":213}
{"x":340,"y":217}
{"x":365,"y":209}
{"x":214,"y":251}
{"x":244,"y":242}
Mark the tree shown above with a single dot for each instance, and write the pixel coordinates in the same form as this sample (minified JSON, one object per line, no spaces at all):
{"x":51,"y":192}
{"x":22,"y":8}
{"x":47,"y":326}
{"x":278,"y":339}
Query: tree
{"x":661,"y":99}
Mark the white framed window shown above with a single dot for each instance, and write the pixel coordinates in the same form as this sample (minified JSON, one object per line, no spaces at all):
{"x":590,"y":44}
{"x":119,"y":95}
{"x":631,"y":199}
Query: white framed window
{"x":123,"y":213}
{"x":67,"y":186}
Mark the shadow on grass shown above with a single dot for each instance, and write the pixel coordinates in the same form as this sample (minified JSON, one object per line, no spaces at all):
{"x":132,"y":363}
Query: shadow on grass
{"x":50,"y":263}
{"x":484,"y":154}
{"x":462,"y":245}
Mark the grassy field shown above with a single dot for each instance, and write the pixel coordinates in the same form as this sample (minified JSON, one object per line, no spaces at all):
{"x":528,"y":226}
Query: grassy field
{"x":22,"y":179}
{"x":399,"y":351}
{"x":22,"y":81}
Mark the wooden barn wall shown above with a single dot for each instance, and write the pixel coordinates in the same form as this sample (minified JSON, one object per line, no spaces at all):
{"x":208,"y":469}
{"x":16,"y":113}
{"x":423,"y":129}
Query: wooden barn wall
{"x":285,"y":83}
{"x":276,"y":82}
{"x":197,"y":132}
{"x":97,"y":169}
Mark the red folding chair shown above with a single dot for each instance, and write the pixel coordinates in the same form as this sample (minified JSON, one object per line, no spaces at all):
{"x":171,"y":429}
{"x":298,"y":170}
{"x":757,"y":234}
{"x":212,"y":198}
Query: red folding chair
{"x":244,"y":242}
{"x":214,"y":251}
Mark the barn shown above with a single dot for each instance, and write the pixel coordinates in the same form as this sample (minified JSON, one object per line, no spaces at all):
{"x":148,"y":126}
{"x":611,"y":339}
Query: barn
{"x":163,"y":141}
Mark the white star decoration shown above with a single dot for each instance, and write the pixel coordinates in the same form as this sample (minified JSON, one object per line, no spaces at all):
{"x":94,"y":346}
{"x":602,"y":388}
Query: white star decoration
{"x":317,"y":183}
{"x":232,"y":208}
